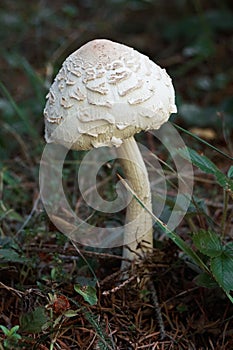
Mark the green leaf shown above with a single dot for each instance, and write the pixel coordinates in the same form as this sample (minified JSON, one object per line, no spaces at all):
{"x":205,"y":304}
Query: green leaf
{"x":229,"y":247}
{"x":87,"y":292}
{"x":208,"y":243}
{"x":71,"y":313}
{"x":222,"y":269}
{"x":230,"y":172}
{"x":9,"y":179}
{"x":32,"y":322}
{"x":205,"y":280}
{"x":10,"y":214}
{"x":85,"y":281}
{"x":10,"y":255}
{"x":201,"y":161}
{"x":14,"y":329}
{"x":5,"y":330}
{"x":224,"y":181}
{"x":208,"y":167}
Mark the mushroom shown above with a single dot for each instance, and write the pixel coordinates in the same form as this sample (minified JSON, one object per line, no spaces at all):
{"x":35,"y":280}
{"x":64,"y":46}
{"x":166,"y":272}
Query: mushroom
{"x":107,"y":92}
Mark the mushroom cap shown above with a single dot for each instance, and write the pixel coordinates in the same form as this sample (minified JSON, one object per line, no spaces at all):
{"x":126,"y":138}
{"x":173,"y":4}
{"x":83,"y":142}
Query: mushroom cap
{"x":104,"y":93}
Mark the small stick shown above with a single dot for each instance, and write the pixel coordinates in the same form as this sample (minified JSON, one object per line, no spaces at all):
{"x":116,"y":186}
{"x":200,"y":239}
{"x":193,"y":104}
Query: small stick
{"x":10,"y":289}
{"x":113,"y":290}
{"x":157,"y":309}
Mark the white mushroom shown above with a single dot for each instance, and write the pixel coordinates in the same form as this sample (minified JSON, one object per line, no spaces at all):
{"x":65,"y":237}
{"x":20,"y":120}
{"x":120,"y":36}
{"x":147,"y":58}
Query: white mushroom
{"x":107,"y":92}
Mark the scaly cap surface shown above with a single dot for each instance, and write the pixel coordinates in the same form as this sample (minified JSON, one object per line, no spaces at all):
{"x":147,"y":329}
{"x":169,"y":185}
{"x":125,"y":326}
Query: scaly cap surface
{"x":106,"y":92}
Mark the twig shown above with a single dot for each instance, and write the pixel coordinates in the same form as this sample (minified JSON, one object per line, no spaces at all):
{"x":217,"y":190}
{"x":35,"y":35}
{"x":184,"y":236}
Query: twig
{"x":180,"y":294}
{"x":157,"y":309}
{"x":120,"y":286}
{"x":10,"y":289}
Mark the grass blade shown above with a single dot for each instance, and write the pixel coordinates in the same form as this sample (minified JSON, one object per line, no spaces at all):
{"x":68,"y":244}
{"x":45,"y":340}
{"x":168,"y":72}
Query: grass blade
{"x":203,"y":141}
{"x":24,"y":118}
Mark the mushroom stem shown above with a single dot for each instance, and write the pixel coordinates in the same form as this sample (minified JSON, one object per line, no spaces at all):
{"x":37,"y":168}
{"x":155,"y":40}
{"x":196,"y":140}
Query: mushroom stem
{"x":138,"y":220}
